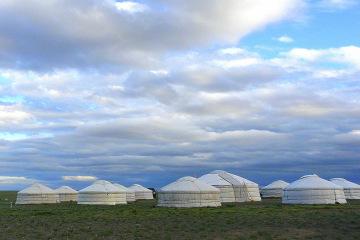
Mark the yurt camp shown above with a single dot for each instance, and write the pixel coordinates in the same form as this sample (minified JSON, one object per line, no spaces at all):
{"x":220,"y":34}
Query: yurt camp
{"x":67,"y":194}
{"x":189,"y":192}
{"x":37,"y":194}
{"x":130,"y":194}
{"x":232,"y":188}
{"x":351,"y":190}
{"x":274,"y":189}
{"x":141,"y":192}
{"x":101,"y":192}
{"x":311,"y":189}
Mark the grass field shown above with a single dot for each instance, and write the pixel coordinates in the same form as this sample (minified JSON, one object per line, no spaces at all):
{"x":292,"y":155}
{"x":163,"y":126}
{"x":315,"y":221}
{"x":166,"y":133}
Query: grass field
{"x":141,"y":220}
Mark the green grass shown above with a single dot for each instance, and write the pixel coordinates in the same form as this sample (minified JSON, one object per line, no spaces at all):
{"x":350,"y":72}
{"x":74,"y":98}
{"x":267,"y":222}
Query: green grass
{"x":142,"y":220}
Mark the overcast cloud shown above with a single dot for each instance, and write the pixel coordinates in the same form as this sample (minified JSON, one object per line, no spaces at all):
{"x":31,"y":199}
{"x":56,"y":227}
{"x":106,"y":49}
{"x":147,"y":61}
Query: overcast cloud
{"x":150,"y":91}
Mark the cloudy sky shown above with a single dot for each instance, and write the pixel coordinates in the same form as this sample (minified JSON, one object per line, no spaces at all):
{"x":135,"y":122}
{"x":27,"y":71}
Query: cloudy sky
{"x":153,"y":90}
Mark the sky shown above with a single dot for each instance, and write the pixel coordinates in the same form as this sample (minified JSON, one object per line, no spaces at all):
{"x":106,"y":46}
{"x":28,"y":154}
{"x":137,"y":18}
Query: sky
{"x":149,"y":91}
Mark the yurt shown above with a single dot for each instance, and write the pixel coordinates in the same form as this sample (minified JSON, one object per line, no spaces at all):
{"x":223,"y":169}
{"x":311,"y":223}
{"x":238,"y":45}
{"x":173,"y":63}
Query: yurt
{"x":37,"y":194}
{"x":101,"y":192}
{"x":311,"y":189}
{"x":67,"y":194}
{"x":351,"y":190}
{"x":141,"y":192}
{"x":189,"y":192}
{"x":274,"y":189}
{"x":130,"y":194}
{"x":232,"y":188}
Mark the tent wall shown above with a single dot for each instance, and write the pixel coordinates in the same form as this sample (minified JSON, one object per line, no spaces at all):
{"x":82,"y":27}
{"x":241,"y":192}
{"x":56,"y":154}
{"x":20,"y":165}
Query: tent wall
{"x":253,"y":193}
{"x":352,"y":193}
{"x":121,"y":198}
{"x":130,"y":196}
{"x":233,"y":193}
{"x":189,"y":199}
{"x":37,"y":198}
{"x":139,"y":195}
{"x":313,"y":196}
{"x":101,"y":198}
{"x":241,"y":193}
{"x":226,"y":193}
{"x":272,"y":193}
{"x":68,"y":197}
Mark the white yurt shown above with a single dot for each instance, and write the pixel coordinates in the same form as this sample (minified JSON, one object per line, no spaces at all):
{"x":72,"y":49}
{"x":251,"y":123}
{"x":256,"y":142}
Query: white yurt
{"x":67,"y":194}
{"x":232,"y":188}
{"x":141,"y":192}
{"x":101,"y":192}
{"x":189,"y":192}
{"x":274,"y":189}
{"x":130,"y":194}
{"x":351,"y":190}
{"x":37,"y":194}
{"x":311,"y":189}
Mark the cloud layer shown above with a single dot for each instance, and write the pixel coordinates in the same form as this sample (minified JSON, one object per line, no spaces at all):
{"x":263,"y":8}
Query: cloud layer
{"x":146,"y":92}
{"x":88,"y":33}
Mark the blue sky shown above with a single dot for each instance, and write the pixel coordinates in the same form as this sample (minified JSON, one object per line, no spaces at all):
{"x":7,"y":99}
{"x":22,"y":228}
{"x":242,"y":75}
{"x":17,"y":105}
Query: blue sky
{"x":149,"y":91}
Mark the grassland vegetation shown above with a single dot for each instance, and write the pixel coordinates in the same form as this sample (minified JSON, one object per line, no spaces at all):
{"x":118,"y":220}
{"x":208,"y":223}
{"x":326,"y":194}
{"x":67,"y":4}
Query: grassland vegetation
{"x":268,"y":219}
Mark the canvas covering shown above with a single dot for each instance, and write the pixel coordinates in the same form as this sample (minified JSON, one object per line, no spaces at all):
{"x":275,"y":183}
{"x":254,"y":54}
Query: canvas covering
{"x":188,"y":192}
{"x":37,"y":194}
{"x":67,"y":194}
{"x":141,"y":193}
{"x":351,"y":190}
{"x":232,"y":188}
{"x":311,"y":189}
{"x":101,"y":192}
{"x":130,"y":194}
{"x":274,"y":189}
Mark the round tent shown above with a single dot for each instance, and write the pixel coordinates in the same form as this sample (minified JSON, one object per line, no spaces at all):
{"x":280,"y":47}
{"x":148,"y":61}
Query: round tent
{"x":232,"y":188}
{"x":141,"y":192}
{"x":37,"y":194}
{"x":351,"y":190}
{"x":101,"y":192}
{"x":274,"y":189}
{"x":130,"y":194}
{"x":311,"y":189}
{"x":189,"y":192}
{"x":67,"y":194}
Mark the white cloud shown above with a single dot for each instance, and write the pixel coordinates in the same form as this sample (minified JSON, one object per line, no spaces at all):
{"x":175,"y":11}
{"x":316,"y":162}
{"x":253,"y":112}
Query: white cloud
{"x":305,"y":54}
{"x":236,"y":63}
{"x":13,"y":115}
{"x":231,"y":51}
{"x":310,"y":110}
{"x":79,"y":178}
{"x":285,"y":39}
{"x":131,"y":7}
{"x":96,"y":33}
{"x":9,"y":180}
{"x":160,"y":72}
{"x":345,"y":58}
{"x":347,"y":54}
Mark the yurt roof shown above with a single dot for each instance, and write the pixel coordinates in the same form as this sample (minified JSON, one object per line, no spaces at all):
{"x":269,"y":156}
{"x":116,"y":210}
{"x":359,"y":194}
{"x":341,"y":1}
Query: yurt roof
{"x":189,"y":184}
{"x":239,"y":179}
{"x":101,"y":186}
{"x":122,"y":188}
{"x":344,"y":183}
{"x":65,"y":189}
{"x":139,"y":188}
{"x":312,"y":182}
{"x":214,"y":179}
{"x":37,"y":188}
{"x":276,"y":184}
